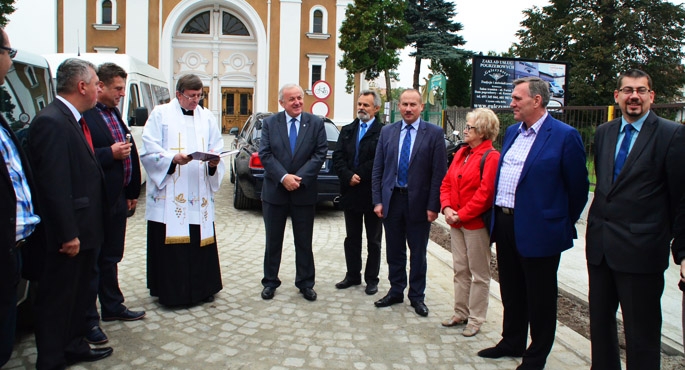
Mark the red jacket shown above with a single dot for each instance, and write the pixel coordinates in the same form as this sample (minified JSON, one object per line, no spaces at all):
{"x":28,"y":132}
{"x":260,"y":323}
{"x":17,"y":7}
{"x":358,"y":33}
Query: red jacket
{"x":462,"y":188}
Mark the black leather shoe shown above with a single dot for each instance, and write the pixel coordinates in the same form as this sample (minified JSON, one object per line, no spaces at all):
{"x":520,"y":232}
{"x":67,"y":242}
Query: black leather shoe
{"x":346,"y":283}
{"x":371,"y":289}
{"x":308,"y":293}
{"x":497,"y":352}
{"x":125,"y":315}
{"x":420,"y":308}
{"x":388,"y":300}
{"x":96,"y":336}
{"x":268,"y":292}
{"x":94,"y":354}
{"x":527,"y":366}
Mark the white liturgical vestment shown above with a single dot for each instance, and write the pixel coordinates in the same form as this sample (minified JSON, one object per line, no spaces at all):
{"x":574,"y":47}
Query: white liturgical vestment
{"x":186,"y":196}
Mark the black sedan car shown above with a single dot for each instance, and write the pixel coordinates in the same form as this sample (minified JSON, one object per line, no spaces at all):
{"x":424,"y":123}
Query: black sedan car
{"x":247,"y":172}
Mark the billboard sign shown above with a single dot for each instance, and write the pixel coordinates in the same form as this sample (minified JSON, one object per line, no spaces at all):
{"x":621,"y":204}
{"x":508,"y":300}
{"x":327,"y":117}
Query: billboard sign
{"x":493,"y":77}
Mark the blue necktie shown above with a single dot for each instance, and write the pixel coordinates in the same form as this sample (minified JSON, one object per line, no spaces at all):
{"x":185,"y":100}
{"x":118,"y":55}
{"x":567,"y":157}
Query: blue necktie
{"x":293,"y":135}
{"x":623,"y":150}
{"x":403,"y":167}
{"x":362,"y":131}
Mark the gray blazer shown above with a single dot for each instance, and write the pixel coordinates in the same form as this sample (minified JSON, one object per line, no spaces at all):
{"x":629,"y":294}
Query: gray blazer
{"x":274,"y":152}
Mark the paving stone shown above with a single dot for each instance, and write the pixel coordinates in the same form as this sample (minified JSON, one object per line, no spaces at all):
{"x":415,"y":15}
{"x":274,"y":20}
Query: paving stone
{"x":341,"y":330}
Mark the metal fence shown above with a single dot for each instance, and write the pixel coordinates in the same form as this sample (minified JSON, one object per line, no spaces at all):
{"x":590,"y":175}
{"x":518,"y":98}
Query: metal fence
{"x":585,"y":119}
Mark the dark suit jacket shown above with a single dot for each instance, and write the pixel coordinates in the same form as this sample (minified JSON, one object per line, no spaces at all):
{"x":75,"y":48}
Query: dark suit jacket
{"x":359,"y":196}
{"x":113,"y":169}
{"x":9,"y":275}
{"x":552,"y":190}
{"x":630,"y":220}
{"x":68,"y":178}
{"x":678,"y":245}
{"x":274,"y":152}
{"x":427,"y":167}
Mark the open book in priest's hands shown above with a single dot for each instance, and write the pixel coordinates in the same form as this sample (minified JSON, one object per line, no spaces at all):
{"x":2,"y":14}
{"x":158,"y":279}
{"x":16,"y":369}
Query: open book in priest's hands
{"x":208,"y":156}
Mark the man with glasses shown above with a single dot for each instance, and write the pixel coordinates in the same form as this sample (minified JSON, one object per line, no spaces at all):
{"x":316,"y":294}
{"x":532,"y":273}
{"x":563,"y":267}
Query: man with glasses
{"x":16,"y":205}
{"x":182,"y":260}
{"x":540,"y":191}
{"x":639,"y":161}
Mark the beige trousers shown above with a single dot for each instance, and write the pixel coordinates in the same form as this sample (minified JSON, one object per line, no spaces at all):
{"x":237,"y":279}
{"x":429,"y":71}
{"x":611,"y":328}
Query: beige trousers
{"x":471,"y":261}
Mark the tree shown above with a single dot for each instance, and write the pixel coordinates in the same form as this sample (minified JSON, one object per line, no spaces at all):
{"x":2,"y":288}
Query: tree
{"x":433,"y":32}
{"x":602,"y":38}
{"x":6,"y":8}
{"x":371,"y":36}
{"x":458,"y":73}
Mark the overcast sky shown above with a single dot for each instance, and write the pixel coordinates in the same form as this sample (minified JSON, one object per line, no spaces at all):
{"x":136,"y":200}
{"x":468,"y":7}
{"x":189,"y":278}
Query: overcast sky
{"x":488,"y":25}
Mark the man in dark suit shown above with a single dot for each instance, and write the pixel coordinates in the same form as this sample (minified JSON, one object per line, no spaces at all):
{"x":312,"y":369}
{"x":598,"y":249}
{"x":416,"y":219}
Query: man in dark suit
{"x":292,"y":149}
{"x":639,"y":162}
{"x":541,"y":190}
{"x":118,"y":157}
{"x":70,"y":188}
{"x":17,"y":211}
{"x":407,"y":173}
{"x":353,"y":162}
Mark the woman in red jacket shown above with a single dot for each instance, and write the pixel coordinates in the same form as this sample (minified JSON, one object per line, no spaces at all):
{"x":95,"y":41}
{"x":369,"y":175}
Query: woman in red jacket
{"x":465,"y":195}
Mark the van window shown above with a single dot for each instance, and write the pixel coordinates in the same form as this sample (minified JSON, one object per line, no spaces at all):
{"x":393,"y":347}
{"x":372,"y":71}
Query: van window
{"x":147,"y":96}
{"x":21,"y":97}
{"x":161,"y":94}
{"x":133,"y":102}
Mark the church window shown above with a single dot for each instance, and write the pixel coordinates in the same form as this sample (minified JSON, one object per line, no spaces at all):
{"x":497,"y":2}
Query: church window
{"x":316,"y":74}
{"x":232,"y":26}
{"x":199,"y":24}
{"x":107,"y":12}
{"x":318,"y":21}
{"x":317,"y":68}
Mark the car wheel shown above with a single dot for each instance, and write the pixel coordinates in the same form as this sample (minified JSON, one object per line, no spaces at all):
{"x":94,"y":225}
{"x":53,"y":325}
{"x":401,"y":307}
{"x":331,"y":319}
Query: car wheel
{"x":240,"y":201}
{"x":231,"y":176}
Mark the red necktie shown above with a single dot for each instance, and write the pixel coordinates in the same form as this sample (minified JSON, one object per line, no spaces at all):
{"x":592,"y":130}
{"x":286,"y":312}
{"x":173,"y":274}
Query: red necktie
{"x":86,"y":132}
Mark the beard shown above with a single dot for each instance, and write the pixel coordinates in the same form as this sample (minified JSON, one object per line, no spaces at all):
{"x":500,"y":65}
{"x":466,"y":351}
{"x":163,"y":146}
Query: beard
{"x":363,"y":116}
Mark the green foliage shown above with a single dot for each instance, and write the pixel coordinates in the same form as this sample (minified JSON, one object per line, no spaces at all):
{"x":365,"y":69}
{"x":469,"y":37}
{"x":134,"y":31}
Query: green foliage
{"x":602,"y":38}
{"x":433,"y":34}
{"x":6,"y":8}
{"x":371,"y":37}
{"x":458,"y":73}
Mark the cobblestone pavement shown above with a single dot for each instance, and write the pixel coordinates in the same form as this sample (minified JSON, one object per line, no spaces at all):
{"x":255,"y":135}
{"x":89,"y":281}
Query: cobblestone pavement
{"x":341,"y":330}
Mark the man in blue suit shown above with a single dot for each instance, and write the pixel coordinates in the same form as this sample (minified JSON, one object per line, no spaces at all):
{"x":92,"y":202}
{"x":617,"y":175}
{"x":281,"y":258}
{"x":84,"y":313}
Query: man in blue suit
{"x":541,"y":190}
{"x":292,"y":149}
{"x":408,"y":168}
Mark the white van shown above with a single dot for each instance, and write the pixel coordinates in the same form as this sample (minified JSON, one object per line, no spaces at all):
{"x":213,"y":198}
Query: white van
{"x":28,"y":88}
{"x":145,"y":88}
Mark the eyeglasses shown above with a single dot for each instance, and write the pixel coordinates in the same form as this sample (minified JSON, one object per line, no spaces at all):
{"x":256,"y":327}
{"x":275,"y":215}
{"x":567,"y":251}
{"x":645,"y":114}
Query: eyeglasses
{"x":640,"y":90}
{"x":10,"y":51}
{"x":469,"y":128}
{"x":194,"y":96}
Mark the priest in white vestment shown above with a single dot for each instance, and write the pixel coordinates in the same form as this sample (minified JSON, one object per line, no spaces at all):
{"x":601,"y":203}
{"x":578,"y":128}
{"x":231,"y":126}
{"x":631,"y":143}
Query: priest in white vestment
{"x":182,"y":261}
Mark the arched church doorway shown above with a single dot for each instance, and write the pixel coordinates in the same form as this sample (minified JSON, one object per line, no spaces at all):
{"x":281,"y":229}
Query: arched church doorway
{"x":218,"y":44}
